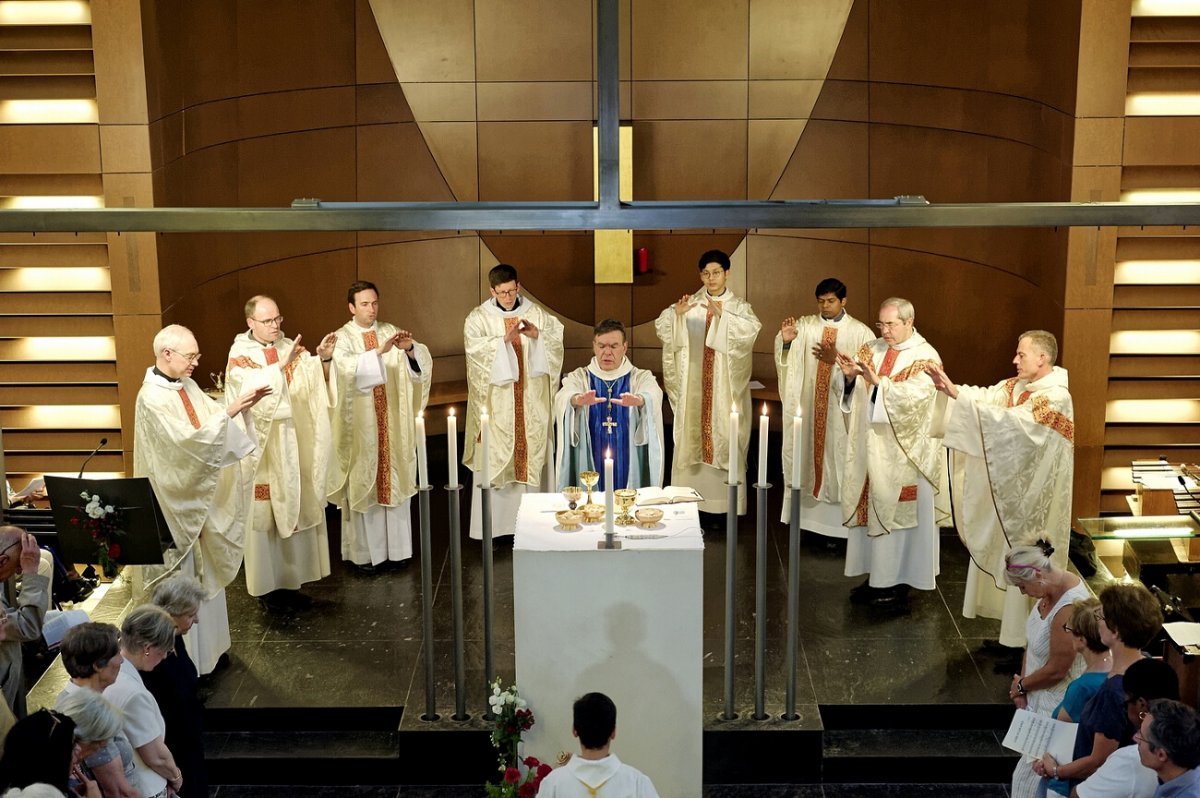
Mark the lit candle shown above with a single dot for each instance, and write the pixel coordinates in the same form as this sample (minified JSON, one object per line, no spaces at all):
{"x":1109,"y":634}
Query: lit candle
{"x":485,"y":465}
{"x":763,"y":436}
{"x":734,"y":448}
{"x":608,"y":492}
{"x":452,"y":446}
{"x":796,"y":451}
{"x":422,"y":462}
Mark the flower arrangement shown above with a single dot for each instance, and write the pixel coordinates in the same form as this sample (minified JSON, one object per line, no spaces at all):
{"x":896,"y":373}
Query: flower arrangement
{"x":513,"y":717}
{"x":103,"y":522}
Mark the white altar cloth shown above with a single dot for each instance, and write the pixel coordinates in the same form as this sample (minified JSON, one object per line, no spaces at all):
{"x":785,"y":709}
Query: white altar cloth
{"x":627,"y":623}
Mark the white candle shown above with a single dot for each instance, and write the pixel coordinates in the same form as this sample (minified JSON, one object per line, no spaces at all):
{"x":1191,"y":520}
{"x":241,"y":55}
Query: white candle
{"x":796,"y":451}
{"x":422,"y":462}
{"x":485,"y":466}
{"x":452,"y":447}
{"x":734,"y":447}
{"x":608,"y":492}
{"x":764,"y":427}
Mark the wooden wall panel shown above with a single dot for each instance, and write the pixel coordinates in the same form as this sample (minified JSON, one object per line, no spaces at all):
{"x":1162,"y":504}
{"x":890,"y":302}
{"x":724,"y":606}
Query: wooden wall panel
{"x":535,"y":161}
{"x":558,"y":34}
{"x":50,"y":149}
{"x":689,"y":160}
{"x":691,"y":40}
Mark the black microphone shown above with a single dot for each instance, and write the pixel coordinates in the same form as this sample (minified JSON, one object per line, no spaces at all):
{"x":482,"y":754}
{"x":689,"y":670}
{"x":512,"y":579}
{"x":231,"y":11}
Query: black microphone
{"x":1183,"y":484}
{"x":88,"y":459}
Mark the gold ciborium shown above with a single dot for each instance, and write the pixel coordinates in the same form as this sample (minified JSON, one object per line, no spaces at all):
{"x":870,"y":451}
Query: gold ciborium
{"x":623,"y":499}
{"x":572,"y":494}
{"x":589,"y":480}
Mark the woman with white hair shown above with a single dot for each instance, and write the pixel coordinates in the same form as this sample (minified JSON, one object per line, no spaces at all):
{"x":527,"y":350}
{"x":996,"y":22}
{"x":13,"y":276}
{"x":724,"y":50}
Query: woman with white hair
{"x":96,"y":723}
{"x":147,"y":637}
{"x":174,"y":683}
{"x":1050,"y":657}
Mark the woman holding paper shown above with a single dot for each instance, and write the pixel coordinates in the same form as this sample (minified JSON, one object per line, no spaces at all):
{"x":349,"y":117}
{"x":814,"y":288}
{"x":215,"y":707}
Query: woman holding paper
{"x":1050,"y":658}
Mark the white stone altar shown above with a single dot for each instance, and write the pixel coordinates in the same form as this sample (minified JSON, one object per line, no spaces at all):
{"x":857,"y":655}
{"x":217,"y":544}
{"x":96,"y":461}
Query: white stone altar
{"x":625,"y":622}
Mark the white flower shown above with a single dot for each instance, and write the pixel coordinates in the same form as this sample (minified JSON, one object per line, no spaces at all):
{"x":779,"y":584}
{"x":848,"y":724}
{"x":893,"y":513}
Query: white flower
{"x":108,"y":508}
{"x":521,"y":703}
{"x":83,"y":495}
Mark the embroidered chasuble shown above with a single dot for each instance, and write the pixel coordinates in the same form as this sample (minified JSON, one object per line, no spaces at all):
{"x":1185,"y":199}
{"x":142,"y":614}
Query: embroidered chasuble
{"x":633,"y":434}
{"x":197,"y":461}
{"x":894,"y":495}
{"x":516,"y":383}
{"x":375,"y":400}
{"x":1012,"y":470}
{"x":287,"y":542}
{"x":807,"y":387}
{"x":707,"y":361}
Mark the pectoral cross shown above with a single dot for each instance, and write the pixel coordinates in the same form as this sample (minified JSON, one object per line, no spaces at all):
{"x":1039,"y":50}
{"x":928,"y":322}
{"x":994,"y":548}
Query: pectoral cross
{"x":609,"y":425}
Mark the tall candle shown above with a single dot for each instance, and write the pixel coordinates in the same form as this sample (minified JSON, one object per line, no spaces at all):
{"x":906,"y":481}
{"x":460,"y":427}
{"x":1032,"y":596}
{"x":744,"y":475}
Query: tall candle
{"x":608,"y":492}
{"x":452,"y":446}
{"x":422,"y":462}
{"x":734,"y":447}
{"x":763,"y":435}
{"x":485,"y":468}
{"x":796,"y":450}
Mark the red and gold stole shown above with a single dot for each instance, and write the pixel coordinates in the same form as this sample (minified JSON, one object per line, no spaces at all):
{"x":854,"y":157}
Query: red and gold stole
{"x":821,"y":411}
{"x":520,"y":444}
{"x":383,"y":481}
{"x":706,"y":395}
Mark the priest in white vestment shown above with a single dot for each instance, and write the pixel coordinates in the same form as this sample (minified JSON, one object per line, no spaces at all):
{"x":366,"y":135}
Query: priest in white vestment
{"x":595,"y":770}
{"x":379,"y":381}
{"x":287,"y":543}
{"x":610,"y":406}
{"x":806,"y":351}
{"x":196,"y":456}
{"x":708,"y":342}
{"x":894,"y":495}
{"x":1012,"y":457}
{"x":514,"y":356}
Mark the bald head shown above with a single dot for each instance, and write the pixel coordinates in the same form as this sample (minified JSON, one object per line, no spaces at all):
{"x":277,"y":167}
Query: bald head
{"x":10,"y":550}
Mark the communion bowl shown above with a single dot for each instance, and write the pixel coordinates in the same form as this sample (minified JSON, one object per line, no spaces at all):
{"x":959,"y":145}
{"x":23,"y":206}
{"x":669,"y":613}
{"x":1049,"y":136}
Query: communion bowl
{"x":592,"y":513}
{"x":648,"y":516}
{"x":569,"y":519}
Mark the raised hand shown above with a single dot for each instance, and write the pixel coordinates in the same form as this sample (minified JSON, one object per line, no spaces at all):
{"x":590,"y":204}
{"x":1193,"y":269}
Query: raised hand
{"x":867,"y":369}
{"x":404,"y":340}
{"x":788,"y":330}
{"x":325,"y":348}
{"x":586,"y":399}
{"x":31,"y":555}
{"x":247,"y":400}
{"x":850,"y":369}
{"x":714,"y":306}
{"x":683,"y":305}
{"x":941,"y":381}
{"x":826,"y":352}
{"x":294,"y":352}
{"x":629,"y":400}
{"x":528,"y":328}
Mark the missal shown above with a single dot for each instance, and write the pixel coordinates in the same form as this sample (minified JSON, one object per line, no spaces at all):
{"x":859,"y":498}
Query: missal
{"x":668,"y":495}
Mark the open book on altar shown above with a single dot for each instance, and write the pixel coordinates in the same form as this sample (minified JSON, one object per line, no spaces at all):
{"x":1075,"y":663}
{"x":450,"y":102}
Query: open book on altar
{"x":668,"y":495}
{"x":1033,"y":735}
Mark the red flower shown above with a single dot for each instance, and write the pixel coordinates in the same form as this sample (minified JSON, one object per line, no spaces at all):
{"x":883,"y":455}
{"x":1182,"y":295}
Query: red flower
{"x":527,"y":790}
{"x":114,"y":551}
{"x":543,"y":771}
{"x":95,"y":534}
{"x":531,"y":761}
{"x":512,"y":775}
{"x":75,"y":521}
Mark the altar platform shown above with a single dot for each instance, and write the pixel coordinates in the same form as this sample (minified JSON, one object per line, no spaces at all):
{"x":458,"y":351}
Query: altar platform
{"x":333,"y":694}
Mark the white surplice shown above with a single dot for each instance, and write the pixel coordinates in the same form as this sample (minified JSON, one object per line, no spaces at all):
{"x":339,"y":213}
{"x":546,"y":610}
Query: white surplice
{"x":706,"y":371}
{"x":287,"y":543}
{"x":194,"y":456}
{"x":1012,"y":467}
{"x":373,"y":472}
{"x":807,"y":388}
{"x":516,"y":383}
{"x":574,"y":441}
{"x":894,"y":495}
{"x":581,"y":778}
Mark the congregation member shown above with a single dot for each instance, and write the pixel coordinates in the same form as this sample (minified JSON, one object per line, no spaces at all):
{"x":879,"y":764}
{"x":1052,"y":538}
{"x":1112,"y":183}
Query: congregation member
{"x":1123,"y":774}
{"x":287,"y":540}
{"x":894,"y":494}
{"x":1169,"y":744}
{"x":23,"y":610}
{"x":707,"y":350}
{"x":92,"y":659}
{"x":1012,"y":455}
{"x":378,"y":383}
{"x":39,"y":751}
{"x":174,"y":683}
{"x":806,"y":350}
{"x":147,"y":638}
{"x":97,"y":722}
{"x":1050,"y":657}
{"x":514,"y":351}
{"x":610,"y":406}
{"x":194,"y":453}
{"x":1130,"y":618}
{"x":595,"y":770}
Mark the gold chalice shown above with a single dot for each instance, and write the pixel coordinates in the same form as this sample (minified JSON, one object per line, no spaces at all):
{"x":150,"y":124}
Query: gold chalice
{"x":623,"y":499}
{"x":589,"y":480}
{"x":572,"y":494}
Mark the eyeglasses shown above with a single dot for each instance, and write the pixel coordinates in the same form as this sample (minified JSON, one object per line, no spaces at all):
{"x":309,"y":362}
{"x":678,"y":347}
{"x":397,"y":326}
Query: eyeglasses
{"x":1099,"y":614}
{"x":275,"y":322}
{"x":1138,"y":737}
{"x":888,"y":325}
{"x":710,"y":273}
{"x":510,"y":293}
{"x":192,"y":358}
{"x":10,"y":547}
{"x":1067,"y":628}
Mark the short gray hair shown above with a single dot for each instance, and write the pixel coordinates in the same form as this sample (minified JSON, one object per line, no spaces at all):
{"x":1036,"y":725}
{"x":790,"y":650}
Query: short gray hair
{"x":1042,"y":341}
{"x":148,"y":625}
{"x":96,"y":720}
{"x":1027,"y":563}
{"x":39,"y":790}
{"x":170,"y":337}
{"x":903,"y":307}
{"x":178,"y":594}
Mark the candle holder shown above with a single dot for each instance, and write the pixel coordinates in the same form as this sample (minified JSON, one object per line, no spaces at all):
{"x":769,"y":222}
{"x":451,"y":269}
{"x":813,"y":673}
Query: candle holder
{"x":589,"y":480}
{"x":624,"y":499}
